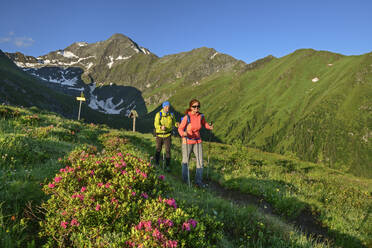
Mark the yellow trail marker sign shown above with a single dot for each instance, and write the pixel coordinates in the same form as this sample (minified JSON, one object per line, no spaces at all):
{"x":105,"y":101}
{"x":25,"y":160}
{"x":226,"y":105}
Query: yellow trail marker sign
{"x":81,"y":98}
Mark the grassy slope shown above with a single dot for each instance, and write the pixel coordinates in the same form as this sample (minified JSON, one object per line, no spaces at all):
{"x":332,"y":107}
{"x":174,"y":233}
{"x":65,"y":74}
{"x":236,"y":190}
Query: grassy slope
{"x":48,"y":137}
{"x":296,"y":190}
{"x":278,"y":108}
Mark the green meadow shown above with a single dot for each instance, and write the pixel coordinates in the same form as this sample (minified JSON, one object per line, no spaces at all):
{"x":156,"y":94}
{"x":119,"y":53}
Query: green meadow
{"x":35,"y":145}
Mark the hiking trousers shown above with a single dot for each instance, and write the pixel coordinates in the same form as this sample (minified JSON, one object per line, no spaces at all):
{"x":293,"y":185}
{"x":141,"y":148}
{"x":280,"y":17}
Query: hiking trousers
{"x":186,"y":152}
{"x":167,"y":141}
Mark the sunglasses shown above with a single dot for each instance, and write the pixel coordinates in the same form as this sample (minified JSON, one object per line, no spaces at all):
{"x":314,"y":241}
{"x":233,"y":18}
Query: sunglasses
{"x":196,"y":106}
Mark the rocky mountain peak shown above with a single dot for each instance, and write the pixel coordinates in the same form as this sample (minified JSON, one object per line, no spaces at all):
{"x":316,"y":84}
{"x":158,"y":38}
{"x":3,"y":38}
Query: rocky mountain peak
{"x":118,"y":36}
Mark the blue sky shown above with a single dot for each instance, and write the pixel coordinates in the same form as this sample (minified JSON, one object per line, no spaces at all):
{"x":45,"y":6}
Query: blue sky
{"x":247,"y":30}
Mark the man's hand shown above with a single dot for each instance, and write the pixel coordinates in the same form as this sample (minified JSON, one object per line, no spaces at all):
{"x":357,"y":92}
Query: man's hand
{"x":162,"y":128}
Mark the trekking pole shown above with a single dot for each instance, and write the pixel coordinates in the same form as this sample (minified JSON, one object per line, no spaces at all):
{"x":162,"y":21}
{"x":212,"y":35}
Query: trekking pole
{"x":209,"y":149}
{"x":163,"y":159}
{"x":188,"y":163}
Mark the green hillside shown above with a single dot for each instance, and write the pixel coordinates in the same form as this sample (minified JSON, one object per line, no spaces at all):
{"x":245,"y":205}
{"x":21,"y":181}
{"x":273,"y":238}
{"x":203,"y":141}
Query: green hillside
{"x":311,"y":104}
{"x":278,"y":108}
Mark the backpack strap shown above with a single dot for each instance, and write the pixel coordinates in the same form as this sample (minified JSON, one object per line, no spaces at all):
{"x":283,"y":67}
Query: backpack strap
{"x":188,"y":121}
{"x":161,"y":115}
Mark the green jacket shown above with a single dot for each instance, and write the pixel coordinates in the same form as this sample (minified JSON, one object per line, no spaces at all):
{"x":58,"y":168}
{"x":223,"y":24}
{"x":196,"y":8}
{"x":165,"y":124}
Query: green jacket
{"x":168,"y":120}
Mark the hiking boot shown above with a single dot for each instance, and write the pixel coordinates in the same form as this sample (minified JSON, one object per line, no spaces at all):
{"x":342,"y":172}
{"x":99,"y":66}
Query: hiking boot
{"x":201,"y":185}
{"x":167,"y":165}
{"x":199,"y":176}
{"x":185,"y":173}
{"x":157,"y":157}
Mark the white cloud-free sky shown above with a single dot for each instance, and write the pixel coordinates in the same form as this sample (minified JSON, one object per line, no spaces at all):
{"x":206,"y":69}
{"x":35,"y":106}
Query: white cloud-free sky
{"x":246,"y":30}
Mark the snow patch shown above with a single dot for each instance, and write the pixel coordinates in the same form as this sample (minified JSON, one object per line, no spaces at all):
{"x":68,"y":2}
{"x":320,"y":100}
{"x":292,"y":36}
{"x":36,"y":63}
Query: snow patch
{"x":64,"y":81}
{"x":214,"y":55}
{"x":144,"y":50}
{"x":315,"y":80}
{"x":69,"y":54}
{"x":31,"y":64}
{"x":78,"y":89}
{"x":19,"y":64}
{"x":23,"y":65}
{"x":56,"y":62}
{"x":104,"y":106}
{"x":121,"y":57}
{"x":135,"y":49}
{"x":82,"y":44}
{"x":111,"y":62}
{"x":89,"y":65}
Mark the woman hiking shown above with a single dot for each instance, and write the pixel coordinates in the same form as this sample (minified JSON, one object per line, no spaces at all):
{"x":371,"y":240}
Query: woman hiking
{"x":189,"y":130}
{"x":164,"y":123}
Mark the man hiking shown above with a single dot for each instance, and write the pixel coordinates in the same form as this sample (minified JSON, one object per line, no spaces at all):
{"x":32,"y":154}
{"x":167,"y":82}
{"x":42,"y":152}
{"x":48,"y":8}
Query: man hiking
{"x":164,"y":123}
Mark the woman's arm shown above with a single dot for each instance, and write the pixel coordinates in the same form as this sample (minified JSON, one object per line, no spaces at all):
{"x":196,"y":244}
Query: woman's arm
{"x":182,"y":126}
{"x":206,"y":124}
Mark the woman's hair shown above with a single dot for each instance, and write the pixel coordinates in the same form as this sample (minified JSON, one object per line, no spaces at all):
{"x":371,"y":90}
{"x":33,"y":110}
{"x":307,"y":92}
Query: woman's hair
{"x":192,"y":102}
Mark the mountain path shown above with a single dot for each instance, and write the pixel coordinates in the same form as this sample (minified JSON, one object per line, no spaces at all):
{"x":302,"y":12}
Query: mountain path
{"x":304,"y":221}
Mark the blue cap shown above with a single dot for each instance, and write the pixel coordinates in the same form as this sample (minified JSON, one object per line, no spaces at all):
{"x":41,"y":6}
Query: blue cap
{"x":166,"y":103}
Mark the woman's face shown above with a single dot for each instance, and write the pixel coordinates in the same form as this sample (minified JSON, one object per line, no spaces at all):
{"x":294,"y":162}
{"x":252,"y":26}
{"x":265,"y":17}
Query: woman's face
{"x":195,"y":107}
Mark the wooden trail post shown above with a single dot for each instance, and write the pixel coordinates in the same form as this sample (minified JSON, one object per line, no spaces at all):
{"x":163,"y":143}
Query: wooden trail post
{"x":134,"y":115}
{"x":81,"y":99}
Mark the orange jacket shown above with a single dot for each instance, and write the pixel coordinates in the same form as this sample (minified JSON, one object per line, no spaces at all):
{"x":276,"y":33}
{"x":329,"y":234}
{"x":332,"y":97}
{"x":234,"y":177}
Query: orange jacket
{"x":193,"y":128}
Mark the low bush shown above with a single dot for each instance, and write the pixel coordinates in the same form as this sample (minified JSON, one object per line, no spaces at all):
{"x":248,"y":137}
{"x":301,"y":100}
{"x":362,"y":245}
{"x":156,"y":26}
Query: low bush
{"x":20,"y":150}
{"x":7,"y":113}
{"x":116,"y":199}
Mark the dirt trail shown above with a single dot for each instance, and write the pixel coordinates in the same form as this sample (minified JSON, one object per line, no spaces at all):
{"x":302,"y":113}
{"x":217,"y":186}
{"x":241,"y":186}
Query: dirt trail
{"x":304,"y":221}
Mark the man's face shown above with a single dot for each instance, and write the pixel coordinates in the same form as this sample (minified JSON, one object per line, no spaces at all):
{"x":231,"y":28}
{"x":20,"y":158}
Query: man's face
{"x":166,"y":109}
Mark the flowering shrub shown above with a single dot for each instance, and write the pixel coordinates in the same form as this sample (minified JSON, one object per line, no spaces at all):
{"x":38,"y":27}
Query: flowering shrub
{"x":164,"y":224}
{"x":31,"y":120}
{"x":116,"y":199}
{"x":113,"y":141}
{"x":7,"y":113}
